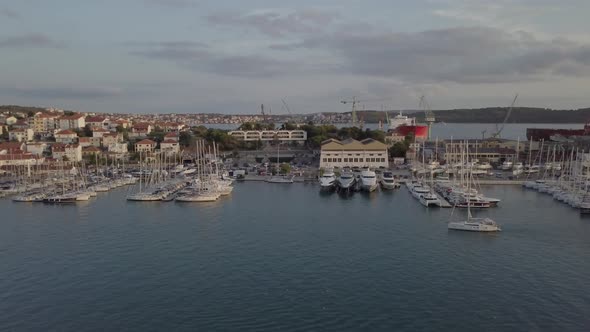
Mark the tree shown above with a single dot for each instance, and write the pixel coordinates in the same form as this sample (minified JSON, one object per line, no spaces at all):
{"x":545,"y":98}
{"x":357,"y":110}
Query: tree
{"x":285,"y":168}
{"x":398,"y":150}
{"x":185,"y":138}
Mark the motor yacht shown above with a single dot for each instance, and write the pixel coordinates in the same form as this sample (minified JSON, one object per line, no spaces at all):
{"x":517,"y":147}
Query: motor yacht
{"x":368,"y":180}
{"x":328,"y":180}
{"x":388,"y":181}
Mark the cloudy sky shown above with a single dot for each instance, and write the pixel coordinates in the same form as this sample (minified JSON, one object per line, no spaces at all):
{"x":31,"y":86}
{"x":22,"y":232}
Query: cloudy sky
{"x":232,"y":55}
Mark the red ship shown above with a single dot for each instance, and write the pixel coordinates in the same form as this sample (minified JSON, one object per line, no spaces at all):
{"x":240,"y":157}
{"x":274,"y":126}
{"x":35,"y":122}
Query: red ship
{"x":402,"y":125}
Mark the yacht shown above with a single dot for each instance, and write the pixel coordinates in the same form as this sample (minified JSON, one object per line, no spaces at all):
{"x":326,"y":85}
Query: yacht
{"x":429,"y":199}
{"x":346,"y":180}
{"x":387,"y":180}
{"x":506,"y":166}
{"x":484,"y":166}
{"x":328,"y":180}
{"x":418,"y":190}
{"x":60,"y":199}
{"x":280,"y":179}
{"x":368,"y":180}
{"x":475,"y":225}
{"x":531,"y":169}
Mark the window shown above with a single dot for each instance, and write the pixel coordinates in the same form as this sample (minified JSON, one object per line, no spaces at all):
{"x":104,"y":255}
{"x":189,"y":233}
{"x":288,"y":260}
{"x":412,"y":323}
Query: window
{"x":360,"y":160}
{"x":370,"y":154}
{"x":356,"y":160}
{"x":339,"y":160}
{"x":325,"y":159}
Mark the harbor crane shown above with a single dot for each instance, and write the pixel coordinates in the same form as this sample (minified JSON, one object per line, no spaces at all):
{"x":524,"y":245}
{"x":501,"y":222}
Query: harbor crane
{"x":428,"y":114}
{"x":354,"y":103}
{"x":500,"y":127}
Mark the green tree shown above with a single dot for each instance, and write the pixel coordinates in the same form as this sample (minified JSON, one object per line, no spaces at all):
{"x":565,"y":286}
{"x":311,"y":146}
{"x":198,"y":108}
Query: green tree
{"x":285,"y":168}
{"x":185,"y":138}
{"x":398,"y":150}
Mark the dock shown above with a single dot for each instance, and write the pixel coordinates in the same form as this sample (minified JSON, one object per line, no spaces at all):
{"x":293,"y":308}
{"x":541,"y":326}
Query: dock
{"x":443,"y":202}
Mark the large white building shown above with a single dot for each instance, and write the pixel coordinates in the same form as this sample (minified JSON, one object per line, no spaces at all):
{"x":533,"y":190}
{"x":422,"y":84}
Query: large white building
{"x":270,"y":135}
{"x":75,"y":121}
{"x":21,"y":135}
{"x":351,"y":153}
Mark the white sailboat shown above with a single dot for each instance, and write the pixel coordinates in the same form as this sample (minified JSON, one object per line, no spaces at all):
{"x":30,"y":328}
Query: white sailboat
{"x":473,"y":224}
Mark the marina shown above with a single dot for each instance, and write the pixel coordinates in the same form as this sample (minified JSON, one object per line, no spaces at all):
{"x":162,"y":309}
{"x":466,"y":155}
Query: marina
{"x":230,"y":254}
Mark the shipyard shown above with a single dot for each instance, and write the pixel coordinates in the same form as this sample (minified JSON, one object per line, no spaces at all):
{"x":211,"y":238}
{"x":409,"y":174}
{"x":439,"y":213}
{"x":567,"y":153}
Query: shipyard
{"x":57,"y":158}
{"x":334,"y":166}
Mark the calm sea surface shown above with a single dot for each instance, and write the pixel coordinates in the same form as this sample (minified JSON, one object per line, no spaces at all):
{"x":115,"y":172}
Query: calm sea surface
{"x":286,"y":258}
{"x":462,"y":130}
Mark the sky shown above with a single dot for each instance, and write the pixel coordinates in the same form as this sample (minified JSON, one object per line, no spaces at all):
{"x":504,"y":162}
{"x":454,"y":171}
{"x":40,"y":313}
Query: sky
{"x":230,"y":56}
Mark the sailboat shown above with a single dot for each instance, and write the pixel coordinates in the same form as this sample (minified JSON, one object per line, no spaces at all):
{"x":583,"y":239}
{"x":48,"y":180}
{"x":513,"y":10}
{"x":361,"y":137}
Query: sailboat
{"x":473,"y":224}
{"x":279,"y":178}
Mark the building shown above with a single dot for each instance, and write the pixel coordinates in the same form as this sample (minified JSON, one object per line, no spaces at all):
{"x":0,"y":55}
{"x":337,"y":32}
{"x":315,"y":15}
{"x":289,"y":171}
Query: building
{"x":119,"y":148}
{"x":75,"y":121}
{"x":12,"y":147}
{"x":10,"y":120}
{"x":121,"y":123}
{"x":111,"y":138}
{"x":145,"y":145}
{"x":19,"y":159}
{"x":299,"y":136}
{"x":90,"y":151}
{"x":66,"y":137}
{"x":44,"y":123}
{"x":99,"y":132}
{"x":70,"y":152}
{"x":171,"y":136}
{"x":37,"y":149}
{"x":492,"y":155}
{"x":21,"y":135}
{"x":170,"y":146}
{"x":97,"y":122}
{"x":351,"y":153}
{"x":140,"y":130}
{"x":21,"y":124}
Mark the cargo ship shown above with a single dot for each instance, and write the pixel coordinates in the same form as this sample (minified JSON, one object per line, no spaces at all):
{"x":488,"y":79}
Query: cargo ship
{"x":403,"y":125}
{"x":550,"y":134}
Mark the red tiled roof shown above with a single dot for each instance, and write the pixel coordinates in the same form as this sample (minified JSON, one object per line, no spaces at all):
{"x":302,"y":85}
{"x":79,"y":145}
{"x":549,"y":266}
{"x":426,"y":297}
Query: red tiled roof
{"x":146,"y":141}
{"x":11,"y":147}
{"x":65,"y":132}
{"x":170,"y":141}
{"x":171,"y":135}
{"x":95,"y":119}
{"x":91,"y":149}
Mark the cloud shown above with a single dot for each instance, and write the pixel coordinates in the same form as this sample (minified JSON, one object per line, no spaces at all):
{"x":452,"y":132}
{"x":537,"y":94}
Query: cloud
{"x":29,"y":40}
{"x":462,"y":55}
{"x":275,"y":24}
{"x":62,"y":92}
{"x":172,"y":3}
{"x":198,"y":56}
{"x":9,"y":13}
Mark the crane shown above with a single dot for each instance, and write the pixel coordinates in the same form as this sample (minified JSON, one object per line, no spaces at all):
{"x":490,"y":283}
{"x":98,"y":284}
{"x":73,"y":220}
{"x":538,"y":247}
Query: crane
{"x":286,"y":106}
{"x":354,"y":102}
{"x":428,"y":114}
{"x":499,"y":128}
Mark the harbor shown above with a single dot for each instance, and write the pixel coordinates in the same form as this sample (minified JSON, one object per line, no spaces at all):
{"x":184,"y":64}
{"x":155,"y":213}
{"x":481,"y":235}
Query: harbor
{"x":362,"y":243}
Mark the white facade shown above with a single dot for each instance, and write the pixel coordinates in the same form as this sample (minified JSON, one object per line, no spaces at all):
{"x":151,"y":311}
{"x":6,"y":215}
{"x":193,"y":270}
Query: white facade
{"x":21,"y":135}
{"x":270,"y":135}
{"x":170,"y":146}
{"x":117,"y":148}
{"x":353,"y":153}
{"x":72,"y":122}
{"x":74,"y":152}
{"x":36,"y":149}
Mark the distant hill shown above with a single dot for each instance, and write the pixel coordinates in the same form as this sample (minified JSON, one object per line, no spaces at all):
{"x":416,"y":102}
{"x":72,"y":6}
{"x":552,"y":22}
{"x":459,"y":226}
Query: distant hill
{"x":490,"y":115}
